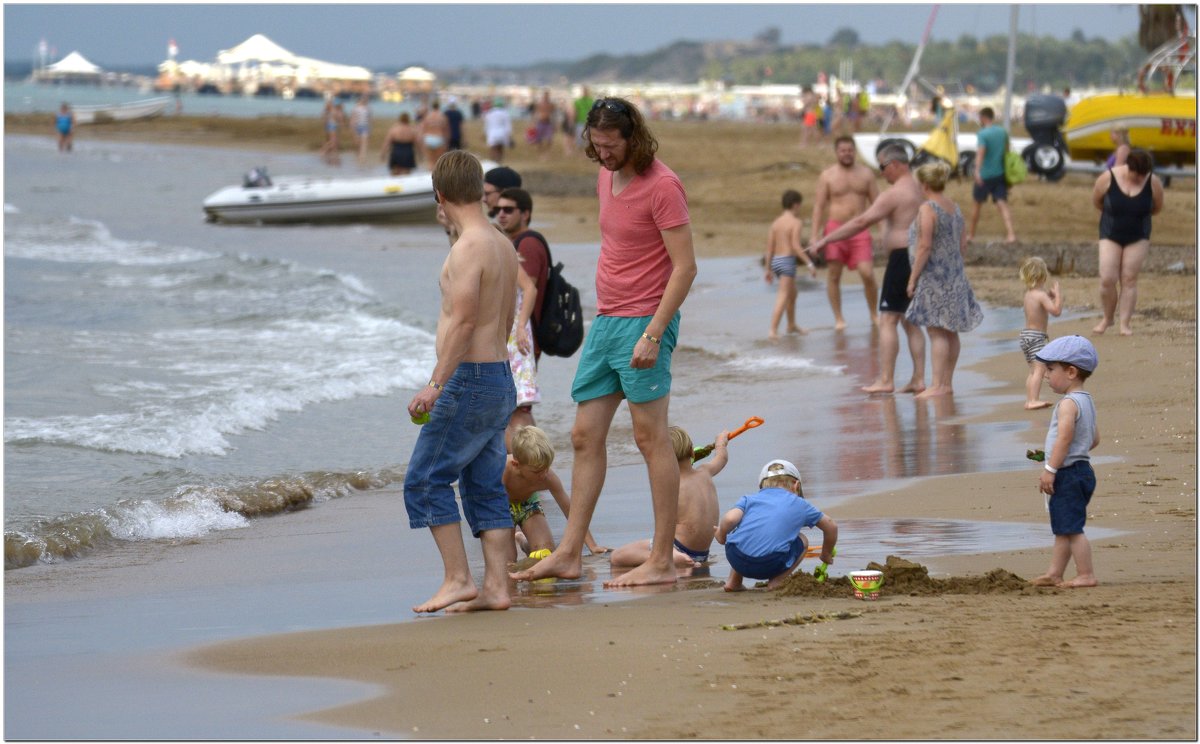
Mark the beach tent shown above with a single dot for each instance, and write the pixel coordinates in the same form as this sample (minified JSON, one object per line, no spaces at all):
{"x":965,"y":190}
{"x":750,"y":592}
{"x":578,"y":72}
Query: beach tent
{"x":71,"y":67}
{"x":257,"y":48}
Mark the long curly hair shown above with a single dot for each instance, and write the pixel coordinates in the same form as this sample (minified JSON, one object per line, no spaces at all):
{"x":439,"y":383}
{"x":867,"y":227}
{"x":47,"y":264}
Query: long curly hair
{"x":623,"y":116}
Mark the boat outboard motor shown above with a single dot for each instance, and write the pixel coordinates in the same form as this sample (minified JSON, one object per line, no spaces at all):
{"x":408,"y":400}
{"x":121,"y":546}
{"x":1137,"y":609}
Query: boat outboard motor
{"x":1044,"y":117}
{"x":257,"y":178}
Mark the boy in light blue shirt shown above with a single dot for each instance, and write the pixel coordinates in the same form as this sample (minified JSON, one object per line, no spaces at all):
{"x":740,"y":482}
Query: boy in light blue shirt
{"x":1067,"y":476}
{"x":761,"y":533}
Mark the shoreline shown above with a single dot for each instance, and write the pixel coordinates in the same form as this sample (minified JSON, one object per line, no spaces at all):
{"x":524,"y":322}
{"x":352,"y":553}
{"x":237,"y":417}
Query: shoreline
{"x":597,"y":671}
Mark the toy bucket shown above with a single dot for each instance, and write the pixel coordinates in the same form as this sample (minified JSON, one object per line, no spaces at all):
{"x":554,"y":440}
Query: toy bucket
{"x":866,"y":583}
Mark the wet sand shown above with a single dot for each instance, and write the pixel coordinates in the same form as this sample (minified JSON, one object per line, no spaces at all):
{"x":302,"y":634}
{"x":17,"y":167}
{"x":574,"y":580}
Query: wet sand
{"x":1117,"y":661}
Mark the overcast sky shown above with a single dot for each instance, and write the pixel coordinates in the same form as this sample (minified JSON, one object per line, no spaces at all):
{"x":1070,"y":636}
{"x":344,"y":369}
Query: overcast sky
{"x":445,"y":35}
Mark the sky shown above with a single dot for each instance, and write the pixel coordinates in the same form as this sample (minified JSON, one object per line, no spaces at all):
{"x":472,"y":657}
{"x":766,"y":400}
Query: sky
{"x":395,"y":35}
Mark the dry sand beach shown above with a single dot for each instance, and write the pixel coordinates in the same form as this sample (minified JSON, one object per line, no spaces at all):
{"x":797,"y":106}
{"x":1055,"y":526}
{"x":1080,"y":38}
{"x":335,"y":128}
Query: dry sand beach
{"x":968,"y":651}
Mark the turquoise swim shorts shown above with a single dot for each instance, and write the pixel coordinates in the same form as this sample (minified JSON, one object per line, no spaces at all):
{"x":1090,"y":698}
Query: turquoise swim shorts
{"x":604,"y":363}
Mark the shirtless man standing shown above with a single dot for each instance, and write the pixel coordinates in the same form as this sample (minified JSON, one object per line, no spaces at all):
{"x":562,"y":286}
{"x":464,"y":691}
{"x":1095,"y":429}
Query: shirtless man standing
{"x":469,"y":398}
{"x":898,"y":205}
{"x":844,"y":191}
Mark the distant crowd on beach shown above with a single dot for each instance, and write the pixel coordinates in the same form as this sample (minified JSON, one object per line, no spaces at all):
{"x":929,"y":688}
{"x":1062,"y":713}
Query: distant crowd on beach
{"x":476,"y":411}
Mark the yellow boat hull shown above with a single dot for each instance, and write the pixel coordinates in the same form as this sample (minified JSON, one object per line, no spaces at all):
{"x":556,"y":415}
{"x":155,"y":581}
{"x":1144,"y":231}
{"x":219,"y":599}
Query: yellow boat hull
{"x":1163,"y":124}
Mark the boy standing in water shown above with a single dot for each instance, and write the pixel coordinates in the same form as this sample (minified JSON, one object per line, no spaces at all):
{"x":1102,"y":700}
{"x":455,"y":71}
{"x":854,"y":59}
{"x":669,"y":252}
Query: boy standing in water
{"x":1040,"y":304}
{"x":1067,"y":477}
{"x":783,"y":248}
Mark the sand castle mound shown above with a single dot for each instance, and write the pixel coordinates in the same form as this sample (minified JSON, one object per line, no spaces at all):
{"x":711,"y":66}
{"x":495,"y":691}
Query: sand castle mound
{"x":904,"y":577}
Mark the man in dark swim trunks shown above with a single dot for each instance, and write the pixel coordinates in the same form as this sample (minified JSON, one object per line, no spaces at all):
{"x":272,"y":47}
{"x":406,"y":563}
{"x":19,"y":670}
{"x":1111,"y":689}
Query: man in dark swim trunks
{"x":898,"y":204}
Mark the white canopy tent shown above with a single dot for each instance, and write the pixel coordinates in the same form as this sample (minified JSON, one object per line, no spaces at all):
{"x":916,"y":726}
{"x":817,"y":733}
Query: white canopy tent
{"x":260,"y":59}
{"x":74,"y":66}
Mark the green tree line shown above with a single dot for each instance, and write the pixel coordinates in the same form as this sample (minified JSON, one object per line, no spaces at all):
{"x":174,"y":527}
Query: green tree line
{"x":969,"y":61}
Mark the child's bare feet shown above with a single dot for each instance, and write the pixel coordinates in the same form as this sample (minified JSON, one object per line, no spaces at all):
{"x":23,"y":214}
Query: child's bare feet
{"x":644,"y":575}
{"x":1046,"y":580}
{"x":449,"y":593}
{"x":914,"y":387}
{"x":498,"y":601}
{"x":1126,"y":331}
{"x":598,"y":549}
{"x":933,"y":392}
{"x":554,"y":565}
{"x":839,"y":325}
{"x":735,"y":587}
{"x":1033,"y":405}
{"x":1079,"y":582}
{"x":797,"y":329}
{"x":1102,"y":326}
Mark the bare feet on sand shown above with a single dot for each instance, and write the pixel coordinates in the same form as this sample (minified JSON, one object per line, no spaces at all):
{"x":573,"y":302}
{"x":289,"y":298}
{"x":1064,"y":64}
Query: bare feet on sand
{"x":554,"y":565}
{"x":878,"y":387}
{"x":934,"y":392}
{"x":644,"y":575}
{"x":913,"y":387}
{"x":1102,"y":326}
{"x":1033,"y":405}
{"x":1079,"y":582}
{"x":449,"y":593}
{"x":797,"y":329}
{"x":1046,"y":580}
{"x":1126,"y":331}
{"x":735,"y":587}
{"x":840,"y":325}
{"x":500,"y":601}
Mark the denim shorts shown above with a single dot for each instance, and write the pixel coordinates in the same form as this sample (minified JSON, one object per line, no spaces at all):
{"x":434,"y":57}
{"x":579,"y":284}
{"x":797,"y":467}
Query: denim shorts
{"x":604,"y":364}
{"x":1073,"y":489}
{"x":463,"y":441}
{"x":996,"y":187}
{"x":767,"y":566}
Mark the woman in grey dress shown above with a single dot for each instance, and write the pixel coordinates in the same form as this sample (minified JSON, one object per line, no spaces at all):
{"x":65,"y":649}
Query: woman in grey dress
{"x":942,"y":299}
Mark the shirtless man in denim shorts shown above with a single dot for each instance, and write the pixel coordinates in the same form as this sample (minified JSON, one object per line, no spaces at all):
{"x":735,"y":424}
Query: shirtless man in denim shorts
{"x":469,"y":398}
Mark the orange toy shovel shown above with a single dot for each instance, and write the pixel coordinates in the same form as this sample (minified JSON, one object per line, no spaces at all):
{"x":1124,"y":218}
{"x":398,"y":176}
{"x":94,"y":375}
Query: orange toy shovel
{"x":706,"y":450}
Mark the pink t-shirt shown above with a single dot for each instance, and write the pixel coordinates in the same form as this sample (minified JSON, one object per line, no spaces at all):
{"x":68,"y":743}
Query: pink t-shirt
{"x":634,"y":264}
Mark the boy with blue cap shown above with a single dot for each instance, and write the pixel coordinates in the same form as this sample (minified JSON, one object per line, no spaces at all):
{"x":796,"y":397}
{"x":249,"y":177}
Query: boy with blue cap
{"x":1067,"y":478}
{"x":761,"y":533}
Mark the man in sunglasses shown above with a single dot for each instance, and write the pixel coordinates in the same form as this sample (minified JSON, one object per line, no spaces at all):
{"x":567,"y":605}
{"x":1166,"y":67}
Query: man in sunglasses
{"x":844,"y":191}
{"x":647,"y":265}
{"x":898,"y":205}
{"x":496,"y":180}
{"x":515,"y":210}
{"x":468,"y":400}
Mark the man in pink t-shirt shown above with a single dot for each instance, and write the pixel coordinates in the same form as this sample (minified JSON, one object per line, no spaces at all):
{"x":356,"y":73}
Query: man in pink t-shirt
{"x":647,"y":265}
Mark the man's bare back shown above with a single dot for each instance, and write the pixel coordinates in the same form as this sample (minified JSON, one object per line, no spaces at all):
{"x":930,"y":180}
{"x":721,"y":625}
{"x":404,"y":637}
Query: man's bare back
{"x":479,"y":282}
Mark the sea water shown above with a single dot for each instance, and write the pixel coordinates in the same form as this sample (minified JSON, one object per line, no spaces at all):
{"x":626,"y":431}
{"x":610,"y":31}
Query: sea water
{"x":170,"y":379}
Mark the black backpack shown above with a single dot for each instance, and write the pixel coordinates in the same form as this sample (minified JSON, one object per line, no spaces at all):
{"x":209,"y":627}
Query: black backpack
{"x":560,"y":330}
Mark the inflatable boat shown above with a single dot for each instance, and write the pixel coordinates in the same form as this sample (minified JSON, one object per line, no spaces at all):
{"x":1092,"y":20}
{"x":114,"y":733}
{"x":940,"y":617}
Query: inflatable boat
{"x":1162,"y":123}
{"x":261,"y":198}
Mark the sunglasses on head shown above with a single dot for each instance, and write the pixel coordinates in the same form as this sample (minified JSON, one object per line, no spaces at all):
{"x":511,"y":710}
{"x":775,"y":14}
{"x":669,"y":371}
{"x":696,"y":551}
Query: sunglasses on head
{"x":611,"y":104}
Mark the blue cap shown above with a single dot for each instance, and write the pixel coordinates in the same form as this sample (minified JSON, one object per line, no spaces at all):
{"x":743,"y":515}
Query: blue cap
{"x":1074,"y":350}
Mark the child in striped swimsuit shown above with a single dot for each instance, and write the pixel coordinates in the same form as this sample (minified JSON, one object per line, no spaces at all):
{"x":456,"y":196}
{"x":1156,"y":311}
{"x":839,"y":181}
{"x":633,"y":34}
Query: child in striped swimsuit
{"x":1040,"y":304}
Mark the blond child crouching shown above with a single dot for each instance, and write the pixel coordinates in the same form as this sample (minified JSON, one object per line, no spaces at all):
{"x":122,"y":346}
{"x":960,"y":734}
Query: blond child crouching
{"x":526,"y":472}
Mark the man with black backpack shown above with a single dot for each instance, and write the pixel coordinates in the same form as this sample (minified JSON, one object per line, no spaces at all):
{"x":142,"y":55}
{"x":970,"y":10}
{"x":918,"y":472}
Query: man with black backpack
{"x":514,"y":210}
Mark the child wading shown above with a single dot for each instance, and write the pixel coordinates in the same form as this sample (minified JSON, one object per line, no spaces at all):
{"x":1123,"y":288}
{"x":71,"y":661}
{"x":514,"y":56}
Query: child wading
{"x":1040,"y":304}
{"x":1067,"y":477}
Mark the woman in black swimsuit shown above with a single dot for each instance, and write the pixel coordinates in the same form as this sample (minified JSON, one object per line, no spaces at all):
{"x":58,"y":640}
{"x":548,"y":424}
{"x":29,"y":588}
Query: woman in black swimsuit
{"x":1127,"y":196}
